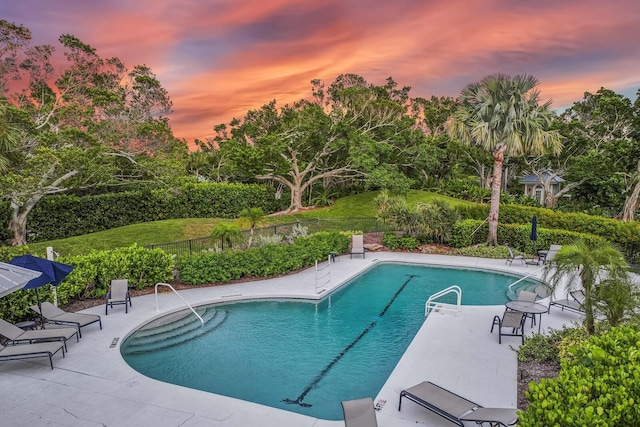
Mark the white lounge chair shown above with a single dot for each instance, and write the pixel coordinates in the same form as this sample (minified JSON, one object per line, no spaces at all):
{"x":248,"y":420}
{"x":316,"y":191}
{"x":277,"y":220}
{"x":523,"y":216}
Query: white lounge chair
{"x":118,"y":294}
{"x":357,"y":245}
{"x":456,"y":408}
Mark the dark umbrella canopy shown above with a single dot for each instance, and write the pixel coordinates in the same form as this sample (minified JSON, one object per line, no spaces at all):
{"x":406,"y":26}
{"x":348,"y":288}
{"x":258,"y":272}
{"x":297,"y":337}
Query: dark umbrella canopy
{"x":534,"y":228}
{"x":52,"y":272}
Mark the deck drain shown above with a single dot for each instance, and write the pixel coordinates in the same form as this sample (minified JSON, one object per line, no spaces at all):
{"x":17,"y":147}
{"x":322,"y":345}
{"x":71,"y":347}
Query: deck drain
{"x":114,"y":342}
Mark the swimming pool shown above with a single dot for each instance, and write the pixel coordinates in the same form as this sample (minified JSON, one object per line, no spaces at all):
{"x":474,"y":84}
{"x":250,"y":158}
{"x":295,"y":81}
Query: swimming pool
{"x":305,"y":356}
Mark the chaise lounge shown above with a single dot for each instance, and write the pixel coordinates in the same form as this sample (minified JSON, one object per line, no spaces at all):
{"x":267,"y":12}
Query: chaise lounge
{"x":30,"y":351}
{"x":58,"y":316}
{"x":15,"y":335}
{"x":456,"y":408}
{"x":573,"y":304}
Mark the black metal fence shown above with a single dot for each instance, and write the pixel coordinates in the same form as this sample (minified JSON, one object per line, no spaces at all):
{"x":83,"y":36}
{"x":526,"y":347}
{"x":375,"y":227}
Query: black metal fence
{"x":199,"y":244}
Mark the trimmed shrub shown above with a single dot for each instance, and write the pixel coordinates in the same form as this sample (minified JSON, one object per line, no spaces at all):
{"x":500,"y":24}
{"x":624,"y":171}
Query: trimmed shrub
{"x":616,"y":231}
{"x":91,"y":276}
{"x":265,"y":261}
{"x":61,"y":216}
{"x":393,"y":241}
{"x":472,"y":232}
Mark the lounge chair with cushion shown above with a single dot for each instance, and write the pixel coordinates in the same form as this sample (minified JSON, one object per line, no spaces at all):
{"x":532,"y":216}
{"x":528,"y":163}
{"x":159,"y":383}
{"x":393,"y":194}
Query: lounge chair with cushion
{"x":118,"y":294}
{"x":513,"y":320}
{"x":513,"y":257}
{"x":15,"y":335}
{"x":359,"y":413}
{"x":30,"y":351}
{"x":53,"y":314}
{"x":456,"y":408}
{"x":573,"y":303}
{"x":357,"y":245}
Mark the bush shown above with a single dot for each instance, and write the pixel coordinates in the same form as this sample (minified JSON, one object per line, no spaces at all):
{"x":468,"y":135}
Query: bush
{"x":265,"y":261}
{"x":393,"y":241}
{"x":599,"y":387}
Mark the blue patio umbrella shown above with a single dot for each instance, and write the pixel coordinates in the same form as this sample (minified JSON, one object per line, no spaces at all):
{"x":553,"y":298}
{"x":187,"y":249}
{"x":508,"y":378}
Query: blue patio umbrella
{"x":52,"y":272}
{"x":534,"y":229}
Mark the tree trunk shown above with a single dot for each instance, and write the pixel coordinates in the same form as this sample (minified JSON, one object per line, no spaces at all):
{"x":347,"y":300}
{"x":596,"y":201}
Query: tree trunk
{"x":18,"y":221}
{"x":631,"y":201}
{"x":498,"y":159}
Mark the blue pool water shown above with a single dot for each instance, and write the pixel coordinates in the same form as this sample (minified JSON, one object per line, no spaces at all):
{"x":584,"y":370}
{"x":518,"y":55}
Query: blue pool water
{"x":305,"y":356}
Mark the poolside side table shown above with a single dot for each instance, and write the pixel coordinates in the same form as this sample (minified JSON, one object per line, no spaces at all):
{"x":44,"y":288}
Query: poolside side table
{"x":333,"y":256}
{"x":528,"y":307}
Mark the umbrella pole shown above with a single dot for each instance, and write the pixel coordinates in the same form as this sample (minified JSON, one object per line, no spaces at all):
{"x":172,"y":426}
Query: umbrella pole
{"x":40,"y":309}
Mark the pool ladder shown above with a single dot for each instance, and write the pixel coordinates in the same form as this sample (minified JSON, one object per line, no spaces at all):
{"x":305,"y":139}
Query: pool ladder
{"x":432,"y":304}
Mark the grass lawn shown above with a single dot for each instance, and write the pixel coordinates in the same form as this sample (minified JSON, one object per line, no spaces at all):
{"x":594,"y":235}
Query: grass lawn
{"x":172,"y":230}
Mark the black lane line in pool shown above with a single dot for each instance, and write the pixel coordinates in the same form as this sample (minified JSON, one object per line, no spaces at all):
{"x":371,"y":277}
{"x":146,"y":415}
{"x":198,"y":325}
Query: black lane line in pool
{"x":318,"y":378}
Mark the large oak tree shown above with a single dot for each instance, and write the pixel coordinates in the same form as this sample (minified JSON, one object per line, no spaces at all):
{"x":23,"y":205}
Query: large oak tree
{"x":87,"y":121}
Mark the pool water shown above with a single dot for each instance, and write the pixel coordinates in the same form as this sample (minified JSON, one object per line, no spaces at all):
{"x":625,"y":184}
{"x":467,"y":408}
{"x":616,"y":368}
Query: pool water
{"x":307,"y":357}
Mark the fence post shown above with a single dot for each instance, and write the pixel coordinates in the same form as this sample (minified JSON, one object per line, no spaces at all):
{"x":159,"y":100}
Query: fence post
{"x":190,"y":247}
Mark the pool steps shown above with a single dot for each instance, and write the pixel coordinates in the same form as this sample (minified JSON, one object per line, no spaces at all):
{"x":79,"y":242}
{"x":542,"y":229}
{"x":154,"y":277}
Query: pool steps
{"x":182,"y":329}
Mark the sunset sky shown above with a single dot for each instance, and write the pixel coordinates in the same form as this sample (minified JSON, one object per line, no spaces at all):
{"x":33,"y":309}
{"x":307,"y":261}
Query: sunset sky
{"x":220,"y":58}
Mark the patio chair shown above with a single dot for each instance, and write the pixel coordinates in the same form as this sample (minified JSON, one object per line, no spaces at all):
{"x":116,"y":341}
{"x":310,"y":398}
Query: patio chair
{"x":118,"y":294}
{"x":357,"y":245}
{"x":547,"y":257}
{"x":456,"y":408}
{"x":511,"y":319}
{"x":359,"y":413}
{"x":529,"y":297}
{"x":53,"y":314}
{"x":513,"y":257}
{"x":573,"y":303}
{"x":30,"y":351}
{"x":15,"y":335}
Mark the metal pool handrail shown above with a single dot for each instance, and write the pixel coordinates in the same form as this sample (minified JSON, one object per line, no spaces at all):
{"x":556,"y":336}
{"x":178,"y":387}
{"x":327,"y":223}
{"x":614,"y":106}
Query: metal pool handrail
{"x":179,"y":296}
{"x":525,"y":277}
{"x":431,"y":304}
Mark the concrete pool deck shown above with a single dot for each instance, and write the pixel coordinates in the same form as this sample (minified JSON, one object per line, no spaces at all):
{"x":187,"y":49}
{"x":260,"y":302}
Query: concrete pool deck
{"x":93,"y":386}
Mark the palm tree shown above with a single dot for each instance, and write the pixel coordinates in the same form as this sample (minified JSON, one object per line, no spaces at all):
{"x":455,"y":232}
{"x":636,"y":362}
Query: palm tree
{"x":591,"y":268}
{"x":251,"y":217}
{"x":501,"y":114}
{"x":225,"y":233}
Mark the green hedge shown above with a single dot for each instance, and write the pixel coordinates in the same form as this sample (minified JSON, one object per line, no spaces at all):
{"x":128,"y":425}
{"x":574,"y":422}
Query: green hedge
{"x":91,"y":276}
{"x":61,"y":216}
{"x":472,"y":232}
{"x":616,"y":231}
{"x":220,"y":267}
{"x":600,"y":386}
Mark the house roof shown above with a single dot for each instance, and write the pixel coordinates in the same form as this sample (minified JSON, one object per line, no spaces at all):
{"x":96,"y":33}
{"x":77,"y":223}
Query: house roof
{"x":533,"y":179}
